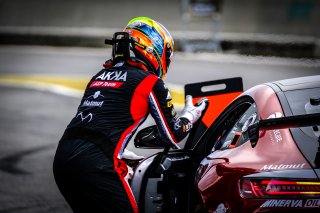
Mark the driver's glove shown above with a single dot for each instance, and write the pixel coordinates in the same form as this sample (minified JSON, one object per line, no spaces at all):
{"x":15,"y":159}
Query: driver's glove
{"x":129,"y":155}
{"x":191,"y":112}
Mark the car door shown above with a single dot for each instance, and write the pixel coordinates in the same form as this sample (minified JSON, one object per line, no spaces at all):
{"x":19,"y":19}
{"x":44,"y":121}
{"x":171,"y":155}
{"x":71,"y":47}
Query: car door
{"x":227,"y":155}
{"x":165,"y":182}
{"x":215,"y":175}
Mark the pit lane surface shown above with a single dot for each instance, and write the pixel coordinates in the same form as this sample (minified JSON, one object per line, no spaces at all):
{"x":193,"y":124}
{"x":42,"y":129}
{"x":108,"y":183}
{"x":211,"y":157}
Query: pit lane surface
{"x":32,"y":118}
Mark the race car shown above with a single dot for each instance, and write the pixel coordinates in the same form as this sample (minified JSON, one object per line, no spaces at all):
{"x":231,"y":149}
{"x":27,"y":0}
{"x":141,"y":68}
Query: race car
{"x":252,"y":151}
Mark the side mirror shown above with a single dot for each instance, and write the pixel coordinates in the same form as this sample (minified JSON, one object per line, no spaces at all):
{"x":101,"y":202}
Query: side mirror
{"x":149,"y":138}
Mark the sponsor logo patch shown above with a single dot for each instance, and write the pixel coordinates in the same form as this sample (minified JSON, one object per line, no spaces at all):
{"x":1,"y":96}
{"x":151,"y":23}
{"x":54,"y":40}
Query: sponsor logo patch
{"x":93,"y":103}
{"x":119,"y":64}
{"x":113,"y":76}
{"x":187,"y":127}
{"x":104,"y":84}
{"x":176,"y":121}
{"x":168,"y":97}
{"x":96,"y":95}
{"x":283,"y":166}
{"x":83,"y":117}
{"x":275,"y":115}
{"x":310,"y":203}
{"x":275,"y":136}
{"x":173,"y":112}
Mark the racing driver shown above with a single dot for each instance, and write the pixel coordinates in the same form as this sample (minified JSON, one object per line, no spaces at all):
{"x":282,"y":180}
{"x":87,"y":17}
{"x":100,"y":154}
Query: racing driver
{"x":88,"y":165}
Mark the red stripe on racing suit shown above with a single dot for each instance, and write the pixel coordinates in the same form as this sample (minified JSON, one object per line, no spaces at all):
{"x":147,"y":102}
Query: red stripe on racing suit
{"x":116,"y":112}
{"x":138,"y":110}
{"x":171,"y":127}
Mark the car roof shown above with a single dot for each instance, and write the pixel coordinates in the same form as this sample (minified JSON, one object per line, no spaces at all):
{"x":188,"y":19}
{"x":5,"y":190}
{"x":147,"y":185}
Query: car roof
{"x":298,"y":83}
{"x":293,"y":95}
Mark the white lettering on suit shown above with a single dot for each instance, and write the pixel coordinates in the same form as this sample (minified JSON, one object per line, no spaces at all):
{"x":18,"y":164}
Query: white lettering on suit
{"x":115,"y":76}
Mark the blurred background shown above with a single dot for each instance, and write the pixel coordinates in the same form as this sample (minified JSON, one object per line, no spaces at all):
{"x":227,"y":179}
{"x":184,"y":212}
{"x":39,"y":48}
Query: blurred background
{"x":49,"y":49}
{"x":264,"y":27}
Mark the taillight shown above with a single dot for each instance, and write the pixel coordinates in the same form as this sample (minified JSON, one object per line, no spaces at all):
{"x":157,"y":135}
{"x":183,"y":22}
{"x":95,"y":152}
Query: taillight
{"x":272,"y":188}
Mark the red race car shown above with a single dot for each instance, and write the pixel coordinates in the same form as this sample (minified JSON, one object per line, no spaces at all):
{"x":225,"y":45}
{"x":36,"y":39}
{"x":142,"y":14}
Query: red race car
{"x":254,"y":152}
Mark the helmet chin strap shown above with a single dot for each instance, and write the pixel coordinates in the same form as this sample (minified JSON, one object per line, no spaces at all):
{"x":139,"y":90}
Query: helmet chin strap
{"x":135,"y":62}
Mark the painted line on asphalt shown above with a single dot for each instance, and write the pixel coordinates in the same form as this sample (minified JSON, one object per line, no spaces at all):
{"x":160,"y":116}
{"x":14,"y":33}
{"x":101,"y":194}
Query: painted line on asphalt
{"x":70,"y":86}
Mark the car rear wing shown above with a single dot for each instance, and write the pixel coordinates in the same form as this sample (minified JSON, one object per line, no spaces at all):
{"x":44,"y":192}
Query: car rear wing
{"x":284,"y":123}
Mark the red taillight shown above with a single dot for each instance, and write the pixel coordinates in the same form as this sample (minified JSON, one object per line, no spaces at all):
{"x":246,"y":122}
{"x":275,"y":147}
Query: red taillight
{"x":271,"y":188}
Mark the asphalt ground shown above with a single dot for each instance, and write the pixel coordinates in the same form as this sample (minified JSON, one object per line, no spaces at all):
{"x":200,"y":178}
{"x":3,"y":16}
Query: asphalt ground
{"x":41,"y":87}
{"x":31,"y":124}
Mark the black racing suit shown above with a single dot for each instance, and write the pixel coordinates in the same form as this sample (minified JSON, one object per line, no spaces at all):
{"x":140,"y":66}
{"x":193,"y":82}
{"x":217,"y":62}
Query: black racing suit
{"x":88,"y":168}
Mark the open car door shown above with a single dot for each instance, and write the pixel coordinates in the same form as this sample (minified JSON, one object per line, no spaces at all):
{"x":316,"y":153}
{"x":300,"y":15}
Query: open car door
{"x":220,"y":94}
{"x":164,"y":182}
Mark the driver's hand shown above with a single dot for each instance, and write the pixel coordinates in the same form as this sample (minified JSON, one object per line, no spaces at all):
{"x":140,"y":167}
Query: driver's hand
{"x":129,"y":155}
{"x":191,"y":112}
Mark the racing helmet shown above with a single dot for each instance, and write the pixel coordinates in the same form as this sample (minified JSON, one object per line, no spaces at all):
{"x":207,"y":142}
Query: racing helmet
{"x":152,"y":43}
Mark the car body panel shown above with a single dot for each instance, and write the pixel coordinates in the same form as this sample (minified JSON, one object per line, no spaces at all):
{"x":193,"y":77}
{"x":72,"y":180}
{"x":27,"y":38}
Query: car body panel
{"x":137,"y":179}
{"x":212,"y":175}
{"x":221,"y":170}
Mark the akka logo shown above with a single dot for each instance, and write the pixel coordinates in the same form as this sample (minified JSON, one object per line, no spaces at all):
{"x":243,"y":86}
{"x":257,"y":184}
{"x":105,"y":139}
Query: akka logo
{"x":87,"y":117}
{"x":113,"y":76}
{"x":109,"y":79}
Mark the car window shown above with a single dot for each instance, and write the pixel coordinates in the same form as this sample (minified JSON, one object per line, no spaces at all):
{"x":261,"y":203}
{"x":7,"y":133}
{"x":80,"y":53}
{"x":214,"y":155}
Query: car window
{"x":235,"y":116}
{"x":306,"y":138}
{"x":235,"y":135}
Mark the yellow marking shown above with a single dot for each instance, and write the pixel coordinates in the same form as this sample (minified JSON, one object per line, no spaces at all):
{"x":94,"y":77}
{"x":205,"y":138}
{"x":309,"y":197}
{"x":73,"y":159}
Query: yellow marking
{"x":310,"y":193}
{"x":73,"y":82}
{"x":70,"y":82}
{"x":308,"y":183}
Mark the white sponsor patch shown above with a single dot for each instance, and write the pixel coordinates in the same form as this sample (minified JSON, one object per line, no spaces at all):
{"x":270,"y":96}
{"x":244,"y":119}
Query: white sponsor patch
{"x":275,"y":115}
{"x":168,"y":97}
{"x":87,"y":117}
{"x":282,"y":203}
{"x":283,"y":166}
{"x":96,"y":95}
{"x":310,"y":203}
{"x":113,"y":76}
{"x":87,"y":103}
{"x":275,"y":136}
{"x":119,"y":64}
